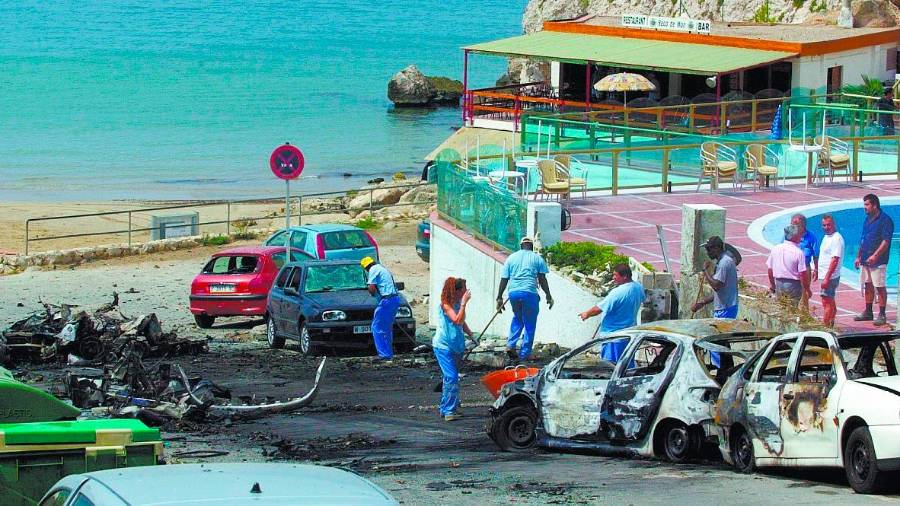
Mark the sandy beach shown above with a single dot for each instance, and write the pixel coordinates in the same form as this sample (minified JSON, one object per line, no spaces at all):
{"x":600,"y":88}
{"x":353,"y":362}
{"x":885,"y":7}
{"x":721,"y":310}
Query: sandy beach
{"x":113,"y":228}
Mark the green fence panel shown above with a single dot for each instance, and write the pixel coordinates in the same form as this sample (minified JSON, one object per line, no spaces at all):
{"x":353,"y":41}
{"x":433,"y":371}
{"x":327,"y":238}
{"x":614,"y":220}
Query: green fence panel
{"x":487,"y":211}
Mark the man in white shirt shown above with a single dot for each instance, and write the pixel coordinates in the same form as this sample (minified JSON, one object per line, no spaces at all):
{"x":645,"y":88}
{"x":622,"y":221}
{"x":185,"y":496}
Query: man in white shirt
{"x":830,"y":254}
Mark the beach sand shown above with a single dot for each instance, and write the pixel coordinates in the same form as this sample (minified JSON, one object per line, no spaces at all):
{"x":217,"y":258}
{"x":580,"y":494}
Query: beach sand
{"x":113,"y":228}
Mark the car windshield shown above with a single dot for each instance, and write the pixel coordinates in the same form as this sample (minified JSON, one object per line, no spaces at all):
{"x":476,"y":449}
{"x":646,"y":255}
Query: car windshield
{"x":232,"y":264}
{"x":870,"y":356}
{"x":327,"y":278}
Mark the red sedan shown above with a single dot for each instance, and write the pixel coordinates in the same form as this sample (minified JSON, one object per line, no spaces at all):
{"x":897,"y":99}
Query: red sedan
{"x":236,"y":282}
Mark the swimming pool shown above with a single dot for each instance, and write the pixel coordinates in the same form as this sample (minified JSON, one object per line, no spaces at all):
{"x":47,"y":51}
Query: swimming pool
{"x":848,"y":216}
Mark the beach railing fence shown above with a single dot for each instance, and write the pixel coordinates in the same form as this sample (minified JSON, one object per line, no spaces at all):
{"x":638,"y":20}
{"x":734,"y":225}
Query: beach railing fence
{"x":219,"y":217}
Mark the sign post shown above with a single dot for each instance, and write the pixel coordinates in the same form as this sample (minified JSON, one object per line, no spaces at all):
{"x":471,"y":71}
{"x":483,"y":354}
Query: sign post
{"x":287,"y":162}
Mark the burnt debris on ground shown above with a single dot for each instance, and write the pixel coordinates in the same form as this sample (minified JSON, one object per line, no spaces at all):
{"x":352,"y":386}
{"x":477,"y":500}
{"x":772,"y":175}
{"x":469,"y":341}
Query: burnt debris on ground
{"x":158,"y":395}
{"x":60,"y":333}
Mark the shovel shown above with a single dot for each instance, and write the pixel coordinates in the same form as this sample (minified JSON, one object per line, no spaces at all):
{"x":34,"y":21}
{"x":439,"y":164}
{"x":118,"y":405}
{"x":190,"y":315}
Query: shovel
{"x":440,"y":385}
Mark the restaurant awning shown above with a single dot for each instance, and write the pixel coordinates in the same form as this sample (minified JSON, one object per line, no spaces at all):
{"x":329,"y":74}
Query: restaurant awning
{"x":679,"y":57}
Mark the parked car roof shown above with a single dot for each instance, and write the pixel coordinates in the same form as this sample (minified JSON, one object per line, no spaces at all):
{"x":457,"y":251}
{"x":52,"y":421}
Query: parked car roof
{"x":700,"y":328}
{"x":215,"y":484}
{"x":326,"y":227}
{"x":251,"y":250}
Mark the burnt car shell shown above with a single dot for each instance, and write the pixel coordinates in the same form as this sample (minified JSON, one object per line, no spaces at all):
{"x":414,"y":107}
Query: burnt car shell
{"x":617,"y":408}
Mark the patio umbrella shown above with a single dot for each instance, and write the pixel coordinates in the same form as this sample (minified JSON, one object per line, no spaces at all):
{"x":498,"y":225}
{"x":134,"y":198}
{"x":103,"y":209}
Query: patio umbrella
{"x":624,"y":82}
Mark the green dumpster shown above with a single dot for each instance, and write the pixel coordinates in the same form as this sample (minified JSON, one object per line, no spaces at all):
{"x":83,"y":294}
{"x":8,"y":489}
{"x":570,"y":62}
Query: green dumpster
{"x":22,"y":403}
{"x":34,"y":456}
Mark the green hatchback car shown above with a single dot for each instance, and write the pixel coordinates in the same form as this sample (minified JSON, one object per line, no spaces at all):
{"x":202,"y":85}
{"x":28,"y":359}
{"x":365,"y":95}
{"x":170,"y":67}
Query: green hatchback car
{"x":328,"y":241}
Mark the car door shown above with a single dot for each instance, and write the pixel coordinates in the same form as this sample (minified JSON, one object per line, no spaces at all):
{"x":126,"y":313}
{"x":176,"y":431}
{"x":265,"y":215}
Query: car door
{"x":761,"y":396}
{"x":636,"y":390}
{"x":290,"y":305}
{"x":809,"y":399}
{"x":570,"y":396}
{"x":276,"y":299}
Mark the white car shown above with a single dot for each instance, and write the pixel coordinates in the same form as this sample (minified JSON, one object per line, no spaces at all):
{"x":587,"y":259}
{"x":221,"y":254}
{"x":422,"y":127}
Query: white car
{"x":816,"y":399}
{"x":215,"y":485}
{"x":658,"y":400}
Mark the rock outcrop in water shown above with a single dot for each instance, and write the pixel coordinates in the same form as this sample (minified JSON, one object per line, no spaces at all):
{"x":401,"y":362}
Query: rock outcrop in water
{"x":411,"y":88}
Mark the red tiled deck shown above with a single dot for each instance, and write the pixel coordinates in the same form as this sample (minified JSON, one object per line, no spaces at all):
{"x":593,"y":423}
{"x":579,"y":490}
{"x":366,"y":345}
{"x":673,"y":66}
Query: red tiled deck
{"x":629,"y":223}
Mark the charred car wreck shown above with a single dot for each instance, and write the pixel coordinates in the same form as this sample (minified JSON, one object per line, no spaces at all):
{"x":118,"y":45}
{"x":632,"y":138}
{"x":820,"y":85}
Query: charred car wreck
{"x":659,"y":399}
{"x":817,"y":399}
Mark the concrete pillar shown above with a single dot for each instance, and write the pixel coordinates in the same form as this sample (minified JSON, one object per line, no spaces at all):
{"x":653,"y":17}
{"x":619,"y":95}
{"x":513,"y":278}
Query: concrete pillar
{"x":674,"y":84}
{"x":544,"y":222}
{"x":698,"y":223}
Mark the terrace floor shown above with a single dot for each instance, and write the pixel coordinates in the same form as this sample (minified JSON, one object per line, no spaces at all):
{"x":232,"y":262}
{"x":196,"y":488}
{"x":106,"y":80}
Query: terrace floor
{"x":628,"y":221}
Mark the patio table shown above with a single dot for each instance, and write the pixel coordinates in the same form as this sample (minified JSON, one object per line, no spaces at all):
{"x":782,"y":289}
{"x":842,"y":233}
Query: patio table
{"x":810,"y":150}
{"x":512,"y":177}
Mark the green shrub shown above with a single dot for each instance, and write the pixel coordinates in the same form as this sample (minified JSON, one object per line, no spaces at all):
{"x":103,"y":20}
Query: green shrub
{"x":871,"y":87}
{"x":242,"y":228}
{"x":587,"y":257}
{"x":763,"y":15}
{"x":399,"y":176}
{"x":215,"y":240}
{"x":368,"y":223}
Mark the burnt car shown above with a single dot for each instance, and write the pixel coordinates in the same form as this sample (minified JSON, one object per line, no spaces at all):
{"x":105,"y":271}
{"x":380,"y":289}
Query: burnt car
{"x":817,"y":399}
{"x":657,"y":400}
{"x":326,"y":305}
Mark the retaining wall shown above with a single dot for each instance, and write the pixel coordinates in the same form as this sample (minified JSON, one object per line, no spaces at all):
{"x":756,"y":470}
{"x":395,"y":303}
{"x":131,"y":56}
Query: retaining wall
{"x":456,"y":253}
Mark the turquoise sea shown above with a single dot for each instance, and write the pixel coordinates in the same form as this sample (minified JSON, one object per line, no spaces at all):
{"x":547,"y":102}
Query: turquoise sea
{"x":154,"y":99}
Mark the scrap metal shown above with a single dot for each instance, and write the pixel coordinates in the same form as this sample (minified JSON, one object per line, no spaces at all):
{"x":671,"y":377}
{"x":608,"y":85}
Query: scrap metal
{"x":90,"y":338}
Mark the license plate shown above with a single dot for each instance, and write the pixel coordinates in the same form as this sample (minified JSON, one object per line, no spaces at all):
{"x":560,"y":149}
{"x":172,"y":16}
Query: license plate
{"x":362,"y":329}
{"x":221,"y":288}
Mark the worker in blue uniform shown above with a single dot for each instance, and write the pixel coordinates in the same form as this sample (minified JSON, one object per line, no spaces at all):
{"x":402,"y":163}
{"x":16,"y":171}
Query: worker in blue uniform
{"x":619,"y":308}
{"x":522,"y":272}
{"x":381,"y":285}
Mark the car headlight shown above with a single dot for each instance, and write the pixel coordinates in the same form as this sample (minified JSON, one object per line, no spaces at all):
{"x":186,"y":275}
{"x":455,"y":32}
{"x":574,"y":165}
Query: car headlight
{"x":333,"y":315}
{"x":404,"y":312}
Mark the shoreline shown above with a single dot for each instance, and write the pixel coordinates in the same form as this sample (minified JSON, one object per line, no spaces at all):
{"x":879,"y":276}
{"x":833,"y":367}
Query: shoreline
{"x":127,"y":213}
{"x":190,"y":190}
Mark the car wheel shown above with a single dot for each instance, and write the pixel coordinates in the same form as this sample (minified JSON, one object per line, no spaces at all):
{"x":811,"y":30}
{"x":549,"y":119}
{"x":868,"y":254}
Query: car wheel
{"x":678,"y":442}
{"x":742,"y":452}
{"x":204,"y":321}
{"x":275,"y":341}
{"x":306,"y":346}
{"x":513,"y":430}
{"x":860,"y":463}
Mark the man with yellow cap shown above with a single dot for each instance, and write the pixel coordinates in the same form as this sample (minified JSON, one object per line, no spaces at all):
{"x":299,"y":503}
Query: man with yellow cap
{"x":381,"y":285}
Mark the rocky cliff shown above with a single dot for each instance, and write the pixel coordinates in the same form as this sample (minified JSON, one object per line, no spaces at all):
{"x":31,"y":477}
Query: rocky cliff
{"x":866,"y":12}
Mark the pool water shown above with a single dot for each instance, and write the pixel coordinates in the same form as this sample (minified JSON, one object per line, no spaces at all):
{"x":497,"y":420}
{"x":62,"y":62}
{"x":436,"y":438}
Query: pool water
{"x":849,"y":217}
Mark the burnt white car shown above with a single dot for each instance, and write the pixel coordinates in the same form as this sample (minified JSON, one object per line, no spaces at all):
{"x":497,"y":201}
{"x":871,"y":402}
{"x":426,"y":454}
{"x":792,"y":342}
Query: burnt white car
{"x":658,"y":400}
{"x":817,"y":399}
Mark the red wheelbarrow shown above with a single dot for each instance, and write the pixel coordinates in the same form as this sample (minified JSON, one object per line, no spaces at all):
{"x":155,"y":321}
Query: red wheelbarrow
{"x":494,"y":381}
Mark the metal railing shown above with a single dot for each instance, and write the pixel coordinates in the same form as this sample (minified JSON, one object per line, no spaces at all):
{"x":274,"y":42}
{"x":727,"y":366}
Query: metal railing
{"x":679,"y":164}
{"x":224,"y":207}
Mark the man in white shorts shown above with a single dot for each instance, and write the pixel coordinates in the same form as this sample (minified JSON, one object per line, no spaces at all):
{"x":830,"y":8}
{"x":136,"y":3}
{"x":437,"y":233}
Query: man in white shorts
{"x":831,"y":252}
{"x":872,"y":259}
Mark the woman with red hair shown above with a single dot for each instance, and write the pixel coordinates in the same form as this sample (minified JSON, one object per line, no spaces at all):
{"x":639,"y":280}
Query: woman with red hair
{"x":449,"y":342}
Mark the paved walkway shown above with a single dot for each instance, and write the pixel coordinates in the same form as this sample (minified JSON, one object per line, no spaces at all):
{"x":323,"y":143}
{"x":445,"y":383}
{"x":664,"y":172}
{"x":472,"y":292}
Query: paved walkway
{"x":629,"y":222}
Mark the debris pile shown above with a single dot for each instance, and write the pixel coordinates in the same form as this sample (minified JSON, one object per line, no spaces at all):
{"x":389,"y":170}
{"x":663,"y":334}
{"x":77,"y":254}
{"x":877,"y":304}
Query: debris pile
{"x":101,"y":337}
{"x":157,"y":395}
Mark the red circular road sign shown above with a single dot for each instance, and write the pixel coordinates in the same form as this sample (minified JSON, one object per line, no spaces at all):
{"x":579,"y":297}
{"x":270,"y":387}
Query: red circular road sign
{"x":286,"y":162}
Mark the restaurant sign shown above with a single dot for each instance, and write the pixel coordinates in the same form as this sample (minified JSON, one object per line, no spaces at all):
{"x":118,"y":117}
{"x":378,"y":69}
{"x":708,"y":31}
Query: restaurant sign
{"x":661,"y":23}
